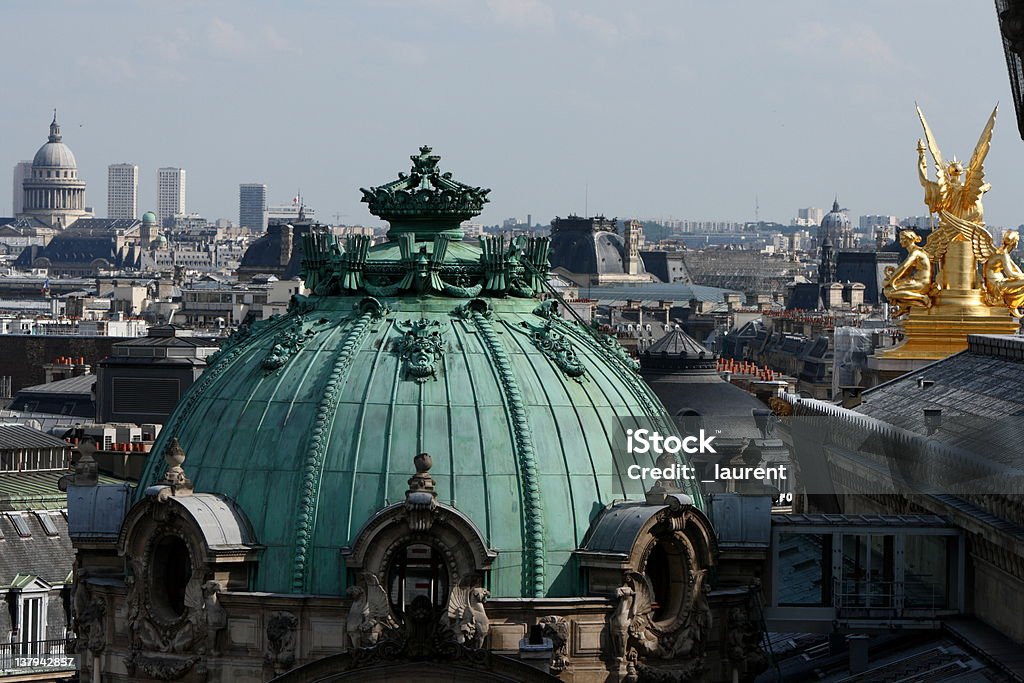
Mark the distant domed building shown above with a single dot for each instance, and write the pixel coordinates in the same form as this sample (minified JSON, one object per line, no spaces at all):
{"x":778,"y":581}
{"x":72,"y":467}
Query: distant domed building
{"x":418,"y":470}
{"x":54,"y":195}
{"x":592,"y":251}
{"x":836,"y":226}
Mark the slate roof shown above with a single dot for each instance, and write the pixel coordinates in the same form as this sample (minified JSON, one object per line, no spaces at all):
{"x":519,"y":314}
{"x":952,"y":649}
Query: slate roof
{"x":87,"y":240}
{"x":649,"y":294}
{"x":867,"y":268}
{"x":103,"y":225}
{"x":38,"y":419}
{"x":23,"y":223}
{"x":805,"y":296}
{"x":687,"y":383}
{"x":72,"y":396}
{"x":264,"y":254}
{"x":599,"y":252}
{"x":678,"y":343}
{"x":979,"y":392}
{"x":36,"y":491}
{"x":50,"y":557}
{"x":173,"y":342}
{"x":17,"y":436}
{"x":615,"y":530}
{"x":73,"y":385}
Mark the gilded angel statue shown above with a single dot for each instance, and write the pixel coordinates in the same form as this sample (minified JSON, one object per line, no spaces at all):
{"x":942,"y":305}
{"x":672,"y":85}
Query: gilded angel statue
{"x":961,"y":198}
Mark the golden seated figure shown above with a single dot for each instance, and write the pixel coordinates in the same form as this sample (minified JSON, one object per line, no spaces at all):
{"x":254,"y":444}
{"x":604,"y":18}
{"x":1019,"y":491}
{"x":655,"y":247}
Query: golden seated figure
{"x":910,"y":283}
{"x":1004,"y":279}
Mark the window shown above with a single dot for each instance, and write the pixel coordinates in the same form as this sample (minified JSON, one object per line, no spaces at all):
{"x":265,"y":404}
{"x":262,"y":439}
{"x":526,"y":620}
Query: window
{"x":171,"y":571}
{"x":20,"y":524}
{"x":805,"y":569}
{"x":417,"y":570}
{"x":33,"y":623}
{"x":665,"y":564}
{"x":868,"y":570}
{"x":47,"y":523}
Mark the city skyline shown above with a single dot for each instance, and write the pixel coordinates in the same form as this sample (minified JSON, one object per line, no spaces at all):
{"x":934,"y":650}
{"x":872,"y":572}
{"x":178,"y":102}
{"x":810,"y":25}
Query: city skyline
{"x":559,"y":108}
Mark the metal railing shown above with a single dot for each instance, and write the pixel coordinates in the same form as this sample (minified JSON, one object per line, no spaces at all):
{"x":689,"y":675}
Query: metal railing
{"x":53,"y":655}
{"x":867,"y":594}
{"x":915,"y":594}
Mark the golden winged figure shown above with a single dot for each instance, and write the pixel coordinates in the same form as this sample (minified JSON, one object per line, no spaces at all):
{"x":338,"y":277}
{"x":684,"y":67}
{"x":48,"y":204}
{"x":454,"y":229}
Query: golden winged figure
{"x":961,"y":198}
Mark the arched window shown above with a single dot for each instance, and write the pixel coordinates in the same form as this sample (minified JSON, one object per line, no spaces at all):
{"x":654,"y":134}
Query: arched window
{"x":666,"y":573}
{"x":417,"y":570}
{"x":172,"y":570}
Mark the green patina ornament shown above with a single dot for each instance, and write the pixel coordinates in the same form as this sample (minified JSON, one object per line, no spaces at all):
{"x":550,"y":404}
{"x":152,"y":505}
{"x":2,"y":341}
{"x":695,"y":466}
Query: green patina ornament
{"x":422,"y":344}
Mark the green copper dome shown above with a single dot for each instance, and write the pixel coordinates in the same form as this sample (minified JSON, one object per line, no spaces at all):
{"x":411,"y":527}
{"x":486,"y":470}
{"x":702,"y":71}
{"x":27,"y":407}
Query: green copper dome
{"x":311,"y":420}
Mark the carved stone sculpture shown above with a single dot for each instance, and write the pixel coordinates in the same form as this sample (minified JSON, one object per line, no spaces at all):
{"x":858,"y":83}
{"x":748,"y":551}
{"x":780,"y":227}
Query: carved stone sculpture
{"x":280,"y":649}
{"x":630,"y":624}
{"x":467,"y":615}
{"x":689,"y":641}
{"x":133,"y":610}
{"x":95,"y":616}
{"x":556,"y":629}
{"x":216,"y":617}
{"x":89,"y":616}
{"x":81,"y":598}
{"x":618,"y":620}
{"x":421,"y":496}
{"x":370,"y":614}
{"x":420,"y":348}
{"x":744,"y":639}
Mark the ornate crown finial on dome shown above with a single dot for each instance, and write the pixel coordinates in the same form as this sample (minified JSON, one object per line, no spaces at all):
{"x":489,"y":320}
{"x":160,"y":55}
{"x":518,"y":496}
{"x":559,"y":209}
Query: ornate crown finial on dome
{"x":424,"y":163}
{"x":425,"y":202}
{"x":55,"y":129}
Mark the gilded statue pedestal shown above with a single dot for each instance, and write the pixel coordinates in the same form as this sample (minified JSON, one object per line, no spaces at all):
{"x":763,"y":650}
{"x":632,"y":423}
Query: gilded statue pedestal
{"x":940,"y":331}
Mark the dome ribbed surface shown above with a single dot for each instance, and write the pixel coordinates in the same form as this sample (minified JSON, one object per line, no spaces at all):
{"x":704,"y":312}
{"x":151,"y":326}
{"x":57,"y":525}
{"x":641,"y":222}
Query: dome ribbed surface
{"x":55,"y":155}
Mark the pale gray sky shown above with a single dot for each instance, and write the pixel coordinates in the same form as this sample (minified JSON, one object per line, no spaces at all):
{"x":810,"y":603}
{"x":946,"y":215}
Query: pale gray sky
{"x":663,"y":107}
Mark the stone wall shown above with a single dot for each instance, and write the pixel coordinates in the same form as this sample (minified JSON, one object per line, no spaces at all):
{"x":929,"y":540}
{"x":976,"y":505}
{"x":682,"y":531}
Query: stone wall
{"x":250,"y":653}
